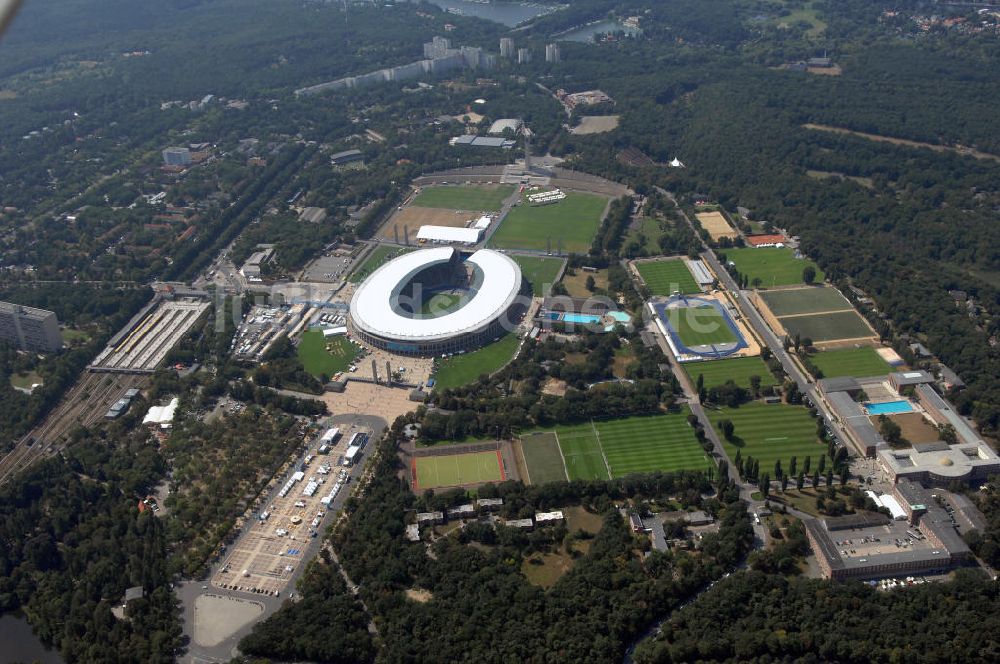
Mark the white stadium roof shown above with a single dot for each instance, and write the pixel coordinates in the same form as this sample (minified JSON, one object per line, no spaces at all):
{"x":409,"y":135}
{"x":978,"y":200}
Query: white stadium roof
{"x":372,"y":305}
{"x":449,"y":234}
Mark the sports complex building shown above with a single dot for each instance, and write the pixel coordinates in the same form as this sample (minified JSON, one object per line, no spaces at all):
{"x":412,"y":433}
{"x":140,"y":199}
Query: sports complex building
{"x":436,"y":301}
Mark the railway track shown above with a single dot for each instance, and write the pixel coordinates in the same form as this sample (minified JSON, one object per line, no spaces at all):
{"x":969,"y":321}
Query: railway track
{"x":83,"y":405}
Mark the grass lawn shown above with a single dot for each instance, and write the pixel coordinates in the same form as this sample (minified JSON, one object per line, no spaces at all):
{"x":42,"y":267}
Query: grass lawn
{"x":69,"y":335}
{"x":775,"y":266}
{"x":540,"y":272}
{"x":463,"y":369}
{"x":25,"y":380}
{"x":574,"y":220}
{"x":827,"y":327}
{"x":468,"y":197}
{"x":315,"y":357}
{"x":860,"y":362}
{"x":666,"y":276}
{"x":769,"y":432}
{"x":700,"y":325}
{"x":716,"y":372}
{"x":542,"y":457}
{"x":808,"y":300}
{"x":576,"y":283}
{"x":649,"y":232}
{"x":376,"y":259}
{"x":431,"y":472}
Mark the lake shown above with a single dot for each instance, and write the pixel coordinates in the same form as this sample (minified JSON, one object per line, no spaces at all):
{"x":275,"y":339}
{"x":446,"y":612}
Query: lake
{"x":20,"y":644}
{"x":587,"y":32}
{"x":507,"y":13}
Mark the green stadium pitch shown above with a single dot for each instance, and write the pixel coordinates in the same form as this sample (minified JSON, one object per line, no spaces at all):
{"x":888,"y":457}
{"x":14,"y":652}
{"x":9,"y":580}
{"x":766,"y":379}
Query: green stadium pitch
{"x":665,"y":277}
{"x":434,"y":472}
{"x":700,"y":325}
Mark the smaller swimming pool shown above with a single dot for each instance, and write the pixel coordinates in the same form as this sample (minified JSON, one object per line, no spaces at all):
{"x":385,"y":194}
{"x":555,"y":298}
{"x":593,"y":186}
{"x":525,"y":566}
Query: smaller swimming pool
{"x":889,"y":407}
{"x":580,"y":318}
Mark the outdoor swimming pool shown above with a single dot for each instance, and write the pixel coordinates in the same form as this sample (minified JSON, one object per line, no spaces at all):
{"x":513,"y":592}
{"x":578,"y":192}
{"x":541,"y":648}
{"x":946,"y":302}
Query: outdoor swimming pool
{"x":581,"y":318}
{"x":889,"y":407}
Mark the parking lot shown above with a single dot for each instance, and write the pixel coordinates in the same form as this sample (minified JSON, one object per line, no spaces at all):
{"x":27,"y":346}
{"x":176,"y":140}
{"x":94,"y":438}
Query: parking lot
{"x":330,"y":268}
{"x":267,"y":555}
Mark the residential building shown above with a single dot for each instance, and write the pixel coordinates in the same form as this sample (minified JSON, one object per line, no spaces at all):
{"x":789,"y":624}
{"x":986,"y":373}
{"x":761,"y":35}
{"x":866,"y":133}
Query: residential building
{"x":29,"y":328}
{"x":552,"y":53}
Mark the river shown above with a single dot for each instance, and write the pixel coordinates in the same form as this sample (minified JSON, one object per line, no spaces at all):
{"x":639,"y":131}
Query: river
{"x":19,"y":644}
{"x":508,"y":13}
{"x":587,"y":32}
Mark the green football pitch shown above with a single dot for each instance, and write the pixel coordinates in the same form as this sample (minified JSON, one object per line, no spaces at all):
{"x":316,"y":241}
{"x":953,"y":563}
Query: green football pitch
{"x":667,"y":276}
{"x":542,"y":457}
{"x":700,"y":325}
{"x":431,"y":472}
{"x":858,"y":362}
{"x":539,"y":272}
{"x":769,"y":432}
{"x":715,"y":373}
{"x":573,"y":221}
{"x":773,"y":266}
{"x":827,"y":327}
{"x":807,"y":300}
{"x":469,"y":197}
{"x":631,"y":445}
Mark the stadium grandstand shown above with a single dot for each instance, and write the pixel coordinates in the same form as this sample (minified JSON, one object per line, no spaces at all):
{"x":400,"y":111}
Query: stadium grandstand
{"x":437,"y":301}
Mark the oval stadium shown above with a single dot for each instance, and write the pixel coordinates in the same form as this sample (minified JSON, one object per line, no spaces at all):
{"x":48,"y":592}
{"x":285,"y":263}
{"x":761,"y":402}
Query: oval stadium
{"x":434,"y":301}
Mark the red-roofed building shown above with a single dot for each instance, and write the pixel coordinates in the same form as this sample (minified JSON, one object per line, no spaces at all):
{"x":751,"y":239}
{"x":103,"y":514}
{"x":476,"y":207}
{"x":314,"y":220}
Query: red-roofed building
{"x":766,"y":240}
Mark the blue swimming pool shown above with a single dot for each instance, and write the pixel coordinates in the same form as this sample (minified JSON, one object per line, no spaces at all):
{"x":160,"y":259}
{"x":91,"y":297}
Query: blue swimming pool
{"x":889,"y":407}
{"x":580,"y":318}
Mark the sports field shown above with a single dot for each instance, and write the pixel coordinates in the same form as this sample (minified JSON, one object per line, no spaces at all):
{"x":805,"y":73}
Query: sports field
{"x":463,"y":369}
{"x":630,"y":445}
{"x":573,"y":220}
{"x":318,"y":360}
{"x":542,"y":457}
{"x":700,"y":325}
{"x":858,"y":362}
{"x":539,"y":272}
{"x":667,"y":276}
{"x":432,"y":472}
{"x":827,"y":327}
{"x":808,"y":300}
{"x":381,"y":255}
{"x":469,"y":197}
{"x":439,"y":304}
{"x":715,"y":373}
{"x":776,"y":266}
{"x":769,"y":432}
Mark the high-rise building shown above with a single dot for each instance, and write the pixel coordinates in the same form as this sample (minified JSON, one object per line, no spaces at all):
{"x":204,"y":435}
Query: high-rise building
{"x":29,"y":328}
{"x":552,"y":53}
{"x":523,"y":56}
{"x":437,"y":48}
{"x":506,"y":47}
{"x":177,"y":156}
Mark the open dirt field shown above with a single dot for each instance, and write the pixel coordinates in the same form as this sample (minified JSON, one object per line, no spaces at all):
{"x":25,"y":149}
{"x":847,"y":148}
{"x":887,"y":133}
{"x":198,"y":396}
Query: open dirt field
{"x":915,"y":426}
{"x":370,"y":399}
{"x":415,"y":217}
{"x":595,"y":124}
{"x":716,"y":225}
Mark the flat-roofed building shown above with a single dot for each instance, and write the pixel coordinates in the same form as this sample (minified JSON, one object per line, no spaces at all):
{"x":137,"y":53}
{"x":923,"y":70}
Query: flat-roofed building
{"x":524,"y":524}
{"x":901,"y":379}
{"x":466,"y":511}
{"x":964,"y":462}
{"x":489,"y":504}
{"x":29,"y":328}
{"x":545,"y":518}
{"x":430,"y":518}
